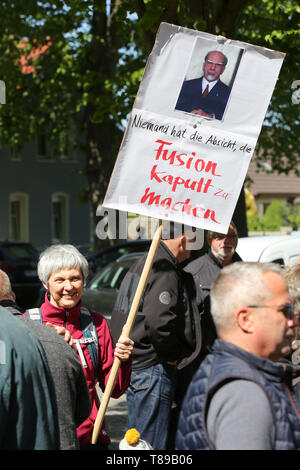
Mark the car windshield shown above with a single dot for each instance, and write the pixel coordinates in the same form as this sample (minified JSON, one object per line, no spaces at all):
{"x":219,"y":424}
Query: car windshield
{"x":111,"y":277}
{"x":113,"y":274}
{"x":105,"y":258}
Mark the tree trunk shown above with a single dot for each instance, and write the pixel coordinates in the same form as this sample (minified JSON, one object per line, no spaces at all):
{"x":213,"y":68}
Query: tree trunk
{"x":102,"y":134}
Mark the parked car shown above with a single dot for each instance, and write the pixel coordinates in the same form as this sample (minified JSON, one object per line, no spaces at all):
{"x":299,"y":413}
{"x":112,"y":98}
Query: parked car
{"x":101,"y":292}
{"x":101,"y":258}
{"x":282,"y":249}
{"x":19,"y":261}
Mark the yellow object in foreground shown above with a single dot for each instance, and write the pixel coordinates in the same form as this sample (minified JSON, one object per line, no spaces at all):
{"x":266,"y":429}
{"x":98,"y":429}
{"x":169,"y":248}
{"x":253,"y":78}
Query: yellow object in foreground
{"x":132,"y":436}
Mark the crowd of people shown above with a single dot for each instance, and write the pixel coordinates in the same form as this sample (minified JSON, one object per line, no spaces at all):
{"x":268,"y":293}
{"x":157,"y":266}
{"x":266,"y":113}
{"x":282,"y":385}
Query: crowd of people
{"x":212,"y":361}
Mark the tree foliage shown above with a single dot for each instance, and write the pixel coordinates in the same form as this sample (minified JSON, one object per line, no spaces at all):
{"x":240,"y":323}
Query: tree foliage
{"x":91,"y":71}
{"x":279,"y":213}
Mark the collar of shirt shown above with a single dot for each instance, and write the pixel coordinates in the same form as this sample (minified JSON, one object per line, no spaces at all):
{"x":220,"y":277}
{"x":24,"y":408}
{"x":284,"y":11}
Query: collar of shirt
{"x":210,"y":84}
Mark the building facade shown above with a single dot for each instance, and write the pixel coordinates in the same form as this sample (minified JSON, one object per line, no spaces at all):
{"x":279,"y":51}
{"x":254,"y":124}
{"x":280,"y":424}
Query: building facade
{"x":39,"y":200}
{"x":267,"y":186}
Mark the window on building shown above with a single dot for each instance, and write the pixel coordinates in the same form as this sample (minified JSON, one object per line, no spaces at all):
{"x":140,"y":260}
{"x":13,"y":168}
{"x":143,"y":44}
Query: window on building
{"x":60,"y":213}
{"x":44,"y":149}
{"x":19,"y":217}
{"x":67,"y":144}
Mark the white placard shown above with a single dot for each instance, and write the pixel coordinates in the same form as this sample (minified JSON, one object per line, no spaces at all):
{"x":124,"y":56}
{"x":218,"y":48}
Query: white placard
{"x":174,"y":164}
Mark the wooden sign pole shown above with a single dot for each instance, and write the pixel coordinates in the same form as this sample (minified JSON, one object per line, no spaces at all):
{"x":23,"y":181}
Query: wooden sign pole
{"x":126,"y":332}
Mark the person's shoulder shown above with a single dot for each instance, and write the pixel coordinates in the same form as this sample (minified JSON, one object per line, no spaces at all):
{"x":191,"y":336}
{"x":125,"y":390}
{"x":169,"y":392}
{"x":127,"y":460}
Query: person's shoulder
{"x":46,"y":335}
{"x":195,"y":266}
{"x":20,"y":335}
{"x":11,"y":325}
{"x":192,"y":82}
{"x":223,"y":86}
{"x":164,"y":271}
{"x":41,"y":331}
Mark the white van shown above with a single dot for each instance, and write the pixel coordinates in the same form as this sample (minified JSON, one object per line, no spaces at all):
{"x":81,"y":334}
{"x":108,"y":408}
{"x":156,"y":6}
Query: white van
{"x":282,"y":249}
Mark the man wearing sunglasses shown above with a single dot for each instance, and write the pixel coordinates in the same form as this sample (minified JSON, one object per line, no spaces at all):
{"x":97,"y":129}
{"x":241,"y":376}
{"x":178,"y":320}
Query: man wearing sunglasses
{"x":241,"y":397}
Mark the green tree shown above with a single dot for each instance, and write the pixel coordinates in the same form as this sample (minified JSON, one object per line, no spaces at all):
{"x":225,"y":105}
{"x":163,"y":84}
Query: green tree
{"x":254,"y":223}
{"x":94,"y":65}
{"x":294,"y":219}
{"x":273,"y":217}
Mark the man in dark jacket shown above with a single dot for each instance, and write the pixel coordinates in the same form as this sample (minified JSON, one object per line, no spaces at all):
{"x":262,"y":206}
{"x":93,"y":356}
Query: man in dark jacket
{"x":205,"y":270}
{"x":241,"y":397}
{"x":72,"y":395}
{"x":166,"y":335}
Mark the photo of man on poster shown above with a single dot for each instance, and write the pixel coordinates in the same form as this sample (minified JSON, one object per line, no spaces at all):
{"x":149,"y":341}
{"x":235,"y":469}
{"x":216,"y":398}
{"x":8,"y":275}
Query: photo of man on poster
{"x":207,"y":95}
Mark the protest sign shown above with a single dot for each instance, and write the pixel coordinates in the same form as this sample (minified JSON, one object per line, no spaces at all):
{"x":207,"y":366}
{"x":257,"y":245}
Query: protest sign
{"x":183,"y":158}
{"x":185,"y":155}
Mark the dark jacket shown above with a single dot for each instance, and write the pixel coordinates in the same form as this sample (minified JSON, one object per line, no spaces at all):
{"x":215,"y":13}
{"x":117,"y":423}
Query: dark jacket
{"x":190,"y":98}
{"x":229,"y":362}
{"x":167,"y":325}
{"x":72,"y":394}
{"x":28,"y":410}
{"x":205,"y":271}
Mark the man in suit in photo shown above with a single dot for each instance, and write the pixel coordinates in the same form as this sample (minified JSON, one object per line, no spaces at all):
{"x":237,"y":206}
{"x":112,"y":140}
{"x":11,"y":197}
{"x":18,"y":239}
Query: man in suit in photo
{"x":206,"y":96}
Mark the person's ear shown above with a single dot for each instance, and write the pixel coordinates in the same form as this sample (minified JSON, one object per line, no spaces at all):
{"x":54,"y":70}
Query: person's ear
{"x":244,"y":318}
{"x":182,"y":242}
{"x":45,"y":285}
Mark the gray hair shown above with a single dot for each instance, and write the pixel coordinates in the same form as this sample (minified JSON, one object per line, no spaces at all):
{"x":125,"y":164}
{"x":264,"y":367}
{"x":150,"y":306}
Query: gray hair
{"x":58,"y":257}
{"x":239,"y":284}
{"x":5,"y":286}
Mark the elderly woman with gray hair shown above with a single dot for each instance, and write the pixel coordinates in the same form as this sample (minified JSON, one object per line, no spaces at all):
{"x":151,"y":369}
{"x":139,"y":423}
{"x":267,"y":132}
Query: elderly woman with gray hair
{"x":63,"y":270}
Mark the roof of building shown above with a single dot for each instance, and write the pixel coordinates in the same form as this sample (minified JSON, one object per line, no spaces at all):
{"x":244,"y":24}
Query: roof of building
{"x":268,"y":183}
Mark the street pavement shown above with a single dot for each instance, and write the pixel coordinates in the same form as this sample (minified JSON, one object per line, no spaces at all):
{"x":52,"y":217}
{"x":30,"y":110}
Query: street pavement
{"x":115,"y":419}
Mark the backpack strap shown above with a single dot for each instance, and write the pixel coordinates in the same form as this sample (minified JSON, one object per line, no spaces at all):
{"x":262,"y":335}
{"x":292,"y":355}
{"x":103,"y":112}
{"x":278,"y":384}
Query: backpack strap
{"x":89,"y":332}
{"x":90,"y":335}
{"x":35,"y":314}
